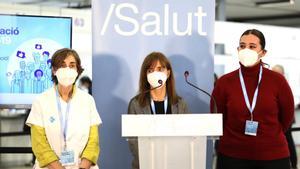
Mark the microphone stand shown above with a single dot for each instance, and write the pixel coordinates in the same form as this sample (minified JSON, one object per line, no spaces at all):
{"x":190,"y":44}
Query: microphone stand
{"x":186,"y":74}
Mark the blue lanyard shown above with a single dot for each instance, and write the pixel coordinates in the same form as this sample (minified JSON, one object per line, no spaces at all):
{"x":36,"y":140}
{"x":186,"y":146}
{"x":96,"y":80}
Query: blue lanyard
{"x":246,"y":98}
{"x":165,"y":105}
{"x":63,"y":121}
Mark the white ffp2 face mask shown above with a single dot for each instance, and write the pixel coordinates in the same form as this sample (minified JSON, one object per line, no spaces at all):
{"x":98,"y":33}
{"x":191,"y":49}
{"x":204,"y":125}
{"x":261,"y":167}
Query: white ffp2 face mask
{"x":248,"y":57}
{"x":155,"y":76}
{"x":66,"y":76}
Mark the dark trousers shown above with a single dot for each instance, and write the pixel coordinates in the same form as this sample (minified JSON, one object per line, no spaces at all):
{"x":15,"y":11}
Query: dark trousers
{"x":292,"y":148}
{"x":225,"y":162}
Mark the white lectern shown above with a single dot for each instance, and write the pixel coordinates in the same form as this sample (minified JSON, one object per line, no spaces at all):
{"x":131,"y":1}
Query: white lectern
{"x":176,"y":141}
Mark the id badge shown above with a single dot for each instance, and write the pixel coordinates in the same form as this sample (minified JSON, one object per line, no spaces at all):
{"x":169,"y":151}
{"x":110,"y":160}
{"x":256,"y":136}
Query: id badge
{"x":67,"y":158}
{"x":251,"y":127}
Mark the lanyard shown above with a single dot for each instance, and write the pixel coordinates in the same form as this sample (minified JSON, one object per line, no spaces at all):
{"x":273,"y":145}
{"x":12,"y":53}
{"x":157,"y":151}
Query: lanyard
{"x":246,"y":98}
{"x":63,"y":119}
{"x":165,"y":105}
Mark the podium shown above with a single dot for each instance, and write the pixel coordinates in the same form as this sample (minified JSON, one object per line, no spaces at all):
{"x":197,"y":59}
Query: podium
{"x":176,"y":141}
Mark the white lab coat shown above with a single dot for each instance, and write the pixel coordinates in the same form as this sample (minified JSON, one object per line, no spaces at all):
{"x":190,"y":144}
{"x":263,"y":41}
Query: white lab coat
{"x":82,"y":115}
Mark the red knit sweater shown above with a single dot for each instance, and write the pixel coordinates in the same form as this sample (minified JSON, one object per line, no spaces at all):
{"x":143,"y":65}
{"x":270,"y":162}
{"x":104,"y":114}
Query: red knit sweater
{"x":274,"y":112}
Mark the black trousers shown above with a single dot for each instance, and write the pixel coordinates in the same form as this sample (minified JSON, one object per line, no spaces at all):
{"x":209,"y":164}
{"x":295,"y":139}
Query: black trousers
{"x":292,"y":148}
{"x":225,"y":162}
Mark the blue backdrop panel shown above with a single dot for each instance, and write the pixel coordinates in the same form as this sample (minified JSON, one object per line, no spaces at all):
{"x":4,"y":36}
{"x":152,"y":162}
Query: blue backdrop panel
{"x":124,"y":32}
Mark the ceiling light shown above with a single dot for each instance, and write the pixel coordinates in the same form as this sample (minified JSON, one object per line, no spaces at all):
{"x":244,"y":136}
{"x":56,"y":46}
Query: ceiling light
{"x":274,"y":3}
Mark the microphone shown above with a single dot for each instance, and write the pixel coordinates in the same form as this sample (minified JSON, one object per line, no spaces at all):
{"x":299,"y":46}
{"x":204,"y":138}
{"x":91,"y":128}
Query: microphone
{"x":160,"y":82}
{"x":186,"y":74}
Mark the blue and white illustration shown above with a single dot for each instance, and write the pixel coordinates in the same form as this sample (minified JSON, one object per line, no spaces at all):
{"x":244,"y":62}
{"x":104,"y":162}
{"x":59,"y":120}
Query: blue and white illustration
{"x":31,"y":73}
{"x":27,"y":44}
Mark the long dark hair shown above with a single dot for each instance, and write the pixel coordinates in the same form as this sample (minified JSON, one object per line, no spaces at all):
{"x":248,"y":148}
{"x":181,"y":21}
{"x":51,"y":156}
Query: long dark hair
{"x":149,"y":61}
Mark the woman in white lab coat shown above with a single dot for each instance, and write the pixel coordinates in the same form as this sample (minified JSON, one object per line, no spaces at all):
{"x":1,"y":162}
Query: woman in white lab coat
{"x":64,"y":120}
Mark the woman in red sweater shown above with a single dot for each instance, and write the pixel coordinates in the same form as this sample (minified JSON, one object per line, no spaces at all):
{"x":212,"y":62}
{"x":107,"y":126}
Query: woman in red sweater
{"x":258,"y":107}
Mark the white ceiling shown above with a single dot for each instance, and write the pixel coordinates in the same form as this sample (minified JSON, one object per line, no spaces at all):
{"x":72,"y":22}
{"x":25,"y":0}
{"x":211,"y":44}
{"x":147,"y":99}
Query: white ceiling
{"x":236,"y":10}
{"x":276,"y":14}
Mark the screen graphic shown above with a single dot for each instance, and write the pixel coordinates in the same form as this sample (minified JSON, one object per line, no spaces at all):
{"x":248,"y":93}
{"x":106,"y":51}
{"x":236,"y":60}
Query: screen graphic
{"x":26,"y":46}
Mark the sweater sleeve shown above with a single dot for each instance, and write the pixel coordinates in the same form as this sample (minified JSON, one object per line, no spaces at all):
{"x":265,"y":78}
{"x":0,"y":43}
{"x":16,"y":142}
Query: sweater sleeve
{"x":286,"y":105}
{"x":219,"y":95}
{"x":40,"y":146}
{"x":92,"y":149}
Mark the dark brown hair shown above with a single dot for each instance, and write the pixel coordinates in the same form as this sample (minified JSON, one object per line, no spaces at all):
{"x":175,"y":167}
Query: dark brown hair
{"x":258,"y":34}
{"x":58,"y":58}
{"x":144,"y":86}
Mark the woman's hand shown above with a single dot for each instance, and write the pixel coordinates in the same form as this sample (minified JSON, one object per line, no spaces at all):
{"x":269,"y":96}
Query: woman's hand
{"x":55,"y":165}
{"x":85,"y":163}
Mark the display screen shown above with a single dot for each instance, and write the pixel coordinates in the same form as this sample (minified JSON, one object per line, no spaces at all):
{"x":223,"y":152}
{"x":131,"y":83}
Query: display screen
{"x":26,"y":46}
